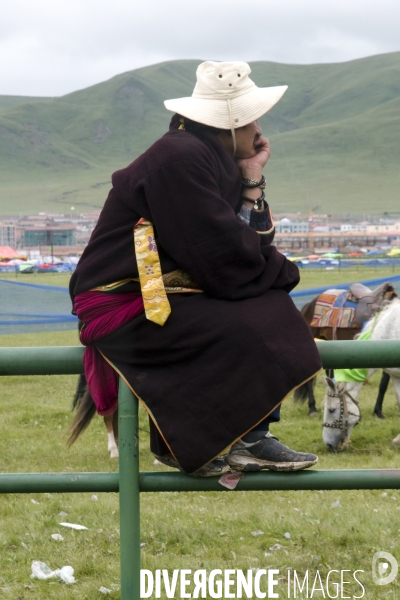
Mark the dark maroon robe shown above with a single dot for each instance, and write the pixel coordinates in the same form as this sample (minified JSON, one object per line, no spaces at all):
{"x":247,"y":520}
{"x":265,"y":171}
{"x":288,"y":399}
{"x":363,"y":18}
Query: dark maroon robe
{"x":227,"y":357}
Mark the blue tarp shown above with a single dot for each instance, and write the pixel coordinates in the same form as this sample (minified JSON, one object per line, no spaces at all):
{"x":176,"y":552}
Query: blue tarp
{"x":33,"y":307}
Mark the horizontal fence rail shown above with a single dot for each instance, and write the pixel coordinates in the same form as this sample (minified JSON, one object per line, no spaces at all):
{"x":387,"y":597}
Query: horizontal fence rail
{"x":67,"y":360}
{"x":129,"y":482}
{"x":336,"y":479}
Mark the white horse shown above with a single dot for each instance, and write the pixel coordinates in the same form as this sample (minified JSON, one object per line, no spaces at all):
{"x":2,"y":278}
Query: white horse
{"x":341,"y":412}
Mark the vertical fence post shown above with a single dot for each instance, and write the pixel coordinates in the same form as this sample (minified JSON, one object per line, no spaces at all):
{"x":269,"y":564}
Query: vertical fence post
{"x":129,"y":498}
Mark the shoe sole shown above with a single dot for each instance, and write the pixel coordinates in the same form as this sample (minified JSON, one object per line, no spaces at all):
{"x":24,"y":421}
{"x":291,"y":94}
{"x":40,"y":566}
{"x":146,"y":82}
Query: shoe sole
{"x":244,"y":463}
{"x":201,"y":473}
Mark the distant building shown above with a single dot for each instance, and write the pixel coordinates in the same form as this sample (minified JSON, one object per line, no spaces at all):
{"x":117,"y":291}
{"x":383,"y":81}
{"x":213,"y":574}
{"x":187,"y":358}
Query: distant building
{"x":392,"y":228}
{"x":285,"y":225}
{"x":353,"y":227}
{"x":7,"y":235}
{"x":54,"y":229}
{"x":49,"y":236}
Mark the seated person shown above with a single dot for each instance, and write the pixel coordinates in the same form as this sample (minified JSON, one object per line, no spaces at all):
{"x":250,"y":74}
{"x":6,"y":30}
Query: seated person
{"x":182,"y":293}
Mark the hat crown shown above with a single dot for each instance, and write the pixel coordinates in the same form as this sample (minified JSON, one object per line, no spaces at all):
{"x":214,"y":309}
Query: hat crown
{"x":222,"y":79}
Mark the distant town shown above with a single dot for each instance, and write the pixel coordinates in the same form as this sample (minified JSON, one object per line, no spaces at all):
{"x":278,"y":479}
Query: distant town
{"x":66,"y":235}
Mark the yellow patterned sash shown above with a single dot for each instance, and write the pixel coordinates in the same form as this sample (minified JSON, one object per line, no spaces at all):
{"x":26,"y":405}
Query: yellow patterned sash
{"x":156,"y":304}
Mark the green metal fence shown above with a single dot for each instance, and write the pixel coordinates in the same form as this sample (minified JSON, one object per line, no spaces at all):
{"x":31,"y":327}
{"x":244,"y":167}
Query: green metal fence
{"x":129,"y":482}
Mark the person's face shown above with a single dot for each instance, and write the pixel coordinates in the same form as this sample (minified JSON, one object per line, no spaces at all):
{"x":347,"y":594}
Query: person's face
{"x":247,"y":140}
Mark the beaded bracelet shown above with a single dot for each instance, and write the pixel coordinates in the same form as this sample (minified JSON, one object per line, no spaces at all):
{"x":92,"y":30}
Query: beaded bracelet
{"x":259,"y":203}
{"x":253,"y":183}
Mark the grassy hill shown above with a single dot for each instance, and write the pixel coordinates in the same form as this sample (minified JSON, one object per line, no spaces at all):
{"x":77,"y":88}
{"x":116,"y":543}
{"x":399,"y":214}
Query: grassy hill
{"x":334,"y":136}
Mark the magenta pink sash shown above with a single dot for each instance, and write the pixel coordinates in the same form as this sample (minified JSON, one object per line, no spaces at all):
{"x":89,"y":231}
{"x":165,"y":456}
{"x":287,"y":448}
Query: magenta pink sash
{"x":102,"y":313}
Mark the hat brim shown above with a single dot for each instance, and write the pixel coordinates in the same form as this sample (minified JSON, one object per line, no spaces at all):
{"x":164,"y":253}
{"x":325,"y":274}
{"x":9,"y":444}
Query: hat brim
{"x":245,"y":108}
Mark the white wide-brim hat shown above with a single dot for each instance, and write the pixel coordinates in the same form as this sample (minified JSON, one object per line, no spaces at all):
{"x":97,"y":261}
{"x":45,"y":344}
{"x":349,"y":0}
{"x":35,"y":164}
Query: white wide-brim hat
{"x":225,"y":97}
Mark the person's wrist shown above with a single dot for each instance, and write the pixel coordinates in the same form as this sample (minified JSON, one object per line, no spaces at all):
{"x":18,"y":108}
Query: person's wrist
{"x":250,"y":206}
{"x":252,"y":173}
{"x":247,"y":204}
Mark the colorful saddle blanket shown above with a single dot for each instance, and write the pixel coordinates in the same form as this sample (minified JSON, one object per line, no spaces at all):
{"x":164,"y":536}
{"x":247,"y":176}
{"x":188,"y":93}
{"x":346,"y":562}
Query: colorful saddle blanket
{"x":334,"y":309}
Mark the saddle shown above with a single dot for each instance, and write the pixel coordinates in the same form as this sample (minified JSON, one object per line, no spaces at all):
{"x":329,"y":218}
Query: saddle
{"x":368,"y":301}
{"x":337,"y":308}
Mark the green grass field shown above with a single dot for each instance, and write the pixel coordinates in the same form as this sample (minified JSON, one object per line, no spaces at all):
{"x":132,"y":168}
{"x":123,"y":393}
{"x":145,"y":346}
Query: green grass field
{"x":209,"y":530}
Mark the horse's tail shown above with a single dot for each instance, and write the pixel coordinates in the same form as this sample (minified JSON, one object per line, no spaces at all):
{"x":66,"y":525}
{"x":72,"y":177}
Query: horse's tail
{"x":80,"y":391}
{"x":301,"y":393}
{"x":86,"y":410}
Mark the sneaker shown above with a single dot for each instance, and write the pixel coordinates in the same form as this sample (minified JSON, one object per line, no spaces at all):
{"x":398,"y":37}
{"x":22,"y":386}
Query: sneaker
{"x":215,"y":468}
{"x":268,"y":453}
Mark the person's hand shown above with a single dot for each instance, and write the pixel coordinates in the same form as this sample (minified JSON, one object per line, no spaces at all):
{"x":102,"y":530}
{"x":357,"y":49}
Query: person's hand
{"x":252,"y":167}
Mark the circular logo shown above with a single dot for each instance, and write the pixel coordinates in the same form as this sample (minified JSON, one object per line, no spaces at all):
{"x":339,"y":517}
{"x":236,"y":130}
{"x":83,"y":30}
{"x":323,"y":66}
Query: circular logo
{"x":380,"y":570}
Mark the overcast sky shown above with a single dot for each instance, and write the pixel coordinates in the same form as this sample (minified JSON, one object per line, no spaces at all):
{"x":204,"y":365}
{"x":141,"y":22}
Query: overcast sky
{"x":52,"y":47}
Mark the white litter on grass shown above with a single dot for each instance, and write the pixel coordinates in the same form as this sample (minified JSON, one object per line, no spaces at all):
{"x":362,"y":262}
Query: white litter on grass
{"x":24,"y":545}
{"x":42,"y":571}
{"x":62,"y":514}
{"x":258,"y":532}
{"x":276,"y":547}
{"x":156,"y":463}
{"x":384,"y":495}
{"x":104,"y":590}
{"x":336,"y":504}
{"x":73,"y":526}
{"x":268,"y":554}
{"x":57,"y":536}
{"x":142,"y":544}
{"x":34,"y":501}
{"x":297,"y":509}
{"x":287,"y":535}
{"x":95,"y":498}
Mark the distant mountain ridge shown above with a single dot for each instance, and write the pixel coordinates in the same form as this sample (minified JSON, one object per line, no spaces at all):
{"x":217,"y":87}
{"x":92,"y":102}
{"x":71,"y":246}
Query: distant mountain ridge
{"x":334,"y":136}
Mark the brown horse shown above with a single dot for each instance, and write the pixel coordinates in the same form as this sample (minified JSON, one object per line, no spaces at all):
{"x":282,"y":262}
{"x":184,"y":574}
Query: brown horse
{"x":372,"y":302}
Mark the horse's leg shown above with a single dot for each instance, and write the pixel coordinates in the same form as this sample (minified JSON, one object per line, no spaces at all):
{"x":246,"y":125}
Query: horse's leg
{"x":396,"y":385}
{"x":312,"y":408}
{"x":112,"y":446}
{"x":306,"y":390}
{"x":383,"y":386}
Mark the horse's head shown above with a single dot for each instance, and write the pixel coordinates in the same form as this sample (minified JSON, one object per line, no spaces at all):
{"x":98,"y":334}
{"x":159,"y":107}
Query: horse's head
{"x":341,"y":413}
